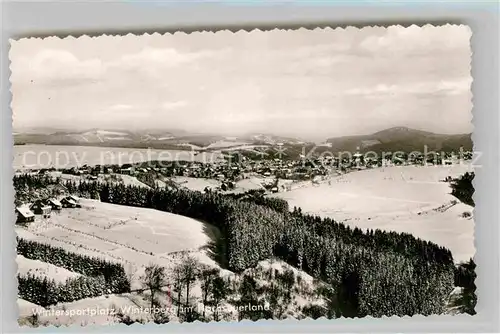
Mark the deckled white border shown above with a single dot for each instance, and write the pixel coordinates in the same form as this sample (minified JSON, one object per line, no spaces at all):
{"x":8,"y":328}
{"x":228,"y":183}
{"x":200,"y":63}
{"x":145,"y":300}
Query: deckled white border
{"x":87,"y":17}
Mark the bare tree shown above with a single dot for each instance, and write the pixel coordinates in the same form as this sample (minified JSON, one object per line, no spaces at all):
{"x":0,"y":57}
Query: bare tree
{"x":283,"y":293}
{"x":189,"y":272}
{"x":154,"y":280}
{"x":160,"y":317}
{"x":219,"y":292}
{"x":178,"y":284}
{"x":207,"y":277}
{"x":131,"y":272}
{"x":184,"y":275}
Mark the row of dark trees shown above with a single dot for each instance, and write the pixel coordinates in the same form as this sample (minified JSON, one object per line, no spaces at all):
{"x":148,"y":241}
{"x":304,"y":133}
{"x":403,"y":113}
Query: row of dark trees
{"x":463,"y":189}
{"x":114,"y":277}
{"x":43,"y":291}
{"x":465,"y":276}
{"x":374,"y":273}
{"x":257,"y":196}
{"x":30,"y":182}
{"x":31,"y":187}
{"x":148,"y":178}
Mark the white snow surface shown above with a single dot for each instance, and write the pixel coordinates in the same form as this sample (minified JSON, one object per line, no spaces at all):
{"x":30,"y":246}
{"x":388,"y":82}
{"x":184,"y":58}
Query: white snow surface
{"x":196,"y":183}
{"x":45,"y":156}
{"x":27,"y":308}
{"x":409,"y":199}
{"x":133,"y":236}
{"x":41,"y":269}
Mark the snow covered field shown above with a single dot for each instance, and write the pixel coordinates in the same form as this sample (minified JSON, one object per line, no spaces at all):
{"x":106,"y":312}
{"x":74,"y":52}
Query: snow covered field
{"x":252,"y":183}
{"x":222,"y":144}
{"x":196,"y":183}
{"x":403,"y":199}
{"x":46,"y":156}
{"x":43,"y":269}
{"x":135,"y":237}
{"x":27,"y":308}
{"x":127,"y":180}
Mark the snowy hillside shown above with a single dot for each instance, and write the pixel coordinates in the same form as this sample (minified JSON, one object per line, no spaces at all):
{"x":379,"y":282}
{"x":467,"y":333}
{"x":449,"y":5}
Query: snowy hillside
{"x":410,"y":199}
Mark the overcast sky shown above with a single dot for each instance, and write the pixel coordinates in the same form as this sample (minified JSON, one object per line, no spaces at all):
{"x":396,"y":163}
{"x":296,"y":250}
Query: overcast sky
{"x":306,"y":83}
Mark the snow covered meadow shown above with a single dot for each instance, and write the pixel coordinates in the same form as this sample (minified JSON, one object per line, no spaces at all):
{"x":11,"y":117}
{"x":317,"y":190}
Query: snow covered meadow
{"x":135,"y":237}
{"x":410,"y":199}
{"x":59,"y":156}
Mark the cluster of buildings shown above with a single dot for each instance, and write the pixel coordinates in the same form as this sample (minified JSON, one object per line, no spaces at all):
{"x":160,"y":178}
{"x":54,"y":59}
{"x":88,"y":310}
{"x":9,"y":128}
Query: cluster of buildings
{"x":44,"y":207}
{"x":230,"y":171}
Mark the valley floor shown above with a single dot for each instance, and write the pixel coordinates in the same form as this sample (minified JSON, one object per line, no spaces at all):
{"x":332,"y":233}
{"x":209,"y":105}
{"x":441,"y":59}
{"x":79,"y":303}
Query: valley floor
{"x":410,"y":199}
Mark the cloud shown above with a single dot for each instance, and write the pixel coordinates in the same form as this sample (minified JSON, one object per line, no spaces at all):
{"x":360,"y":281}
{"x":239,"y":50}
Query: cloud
{"x":157,"y":56}
{"x":310,"y":82}
{"x":154,"y":61}
{"x":62,"y":67}
{"x":454,"y":87}
{"x":313,"y":64}
{"x":54,"y":65}
{"x":422,"y":88}
{"x":120,"y":107}
{"x":374,"y":90}
{"x":416,"y":40}
{"x":174,"y":105}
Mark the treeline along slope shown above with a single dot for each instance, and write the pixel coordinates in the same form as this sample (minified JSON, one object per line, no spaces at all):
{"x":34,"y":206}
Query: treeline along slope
{"x":371,"y":273}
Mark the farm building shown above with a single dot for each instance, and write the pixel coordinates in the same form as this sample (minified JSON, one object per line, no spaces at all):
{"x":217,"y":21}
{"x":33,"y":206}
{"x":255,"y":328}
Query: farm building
{"x":74,"y":198}
{"x":127,"y":171}
{"x":54,"y":204}
{"x":24,"y":214}
{"x":40,"y":208}
{"x":69,"y":202}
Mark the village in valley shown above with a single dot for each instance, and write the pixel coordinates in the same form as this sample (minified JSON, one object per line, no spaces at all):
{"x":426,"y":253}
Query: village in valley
{"x":236,"y":174}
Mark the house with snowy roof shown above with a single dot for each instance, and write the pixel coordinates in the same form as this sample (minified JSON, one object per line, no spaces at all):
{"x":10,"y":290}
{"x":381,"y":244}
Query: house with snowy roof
{"x":24,"y":214}
{"x":54,"y":204}
{"x":39,"y":207}
{"x":69,"y":202}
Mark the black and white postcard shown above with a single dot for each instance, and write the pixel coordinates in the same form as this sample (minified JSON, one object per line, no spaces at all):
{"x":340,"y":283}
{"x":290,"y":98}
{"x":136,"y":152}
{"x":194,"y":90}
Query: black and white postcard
{"x":222,"y":176}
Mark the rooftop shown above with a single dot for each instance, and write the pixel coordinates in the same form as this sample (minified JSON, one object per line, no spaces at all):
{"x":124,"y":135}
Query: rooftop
{"x":25,"y":211}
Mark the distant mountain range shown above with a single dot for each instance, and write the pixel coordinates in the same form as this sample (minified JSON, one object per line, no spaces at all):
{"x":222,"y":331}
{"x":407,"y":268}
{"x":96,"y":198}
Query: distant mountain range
{"x":159,"y":139}
{"x":401,"y":139}
{"x":389,"y":140}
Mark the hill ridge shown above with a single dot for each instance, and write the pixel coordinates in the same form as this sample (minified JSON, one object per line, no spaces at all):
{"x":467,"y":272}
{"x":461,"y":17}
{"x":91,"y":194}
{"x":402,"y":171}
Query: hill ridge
{"x":401,"y":138}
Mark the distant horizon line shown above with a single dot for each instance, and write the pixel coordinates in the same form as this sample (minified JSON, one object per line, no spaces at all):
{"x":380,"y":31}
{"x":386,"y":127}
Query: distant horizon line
{"x":23,"y":130}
